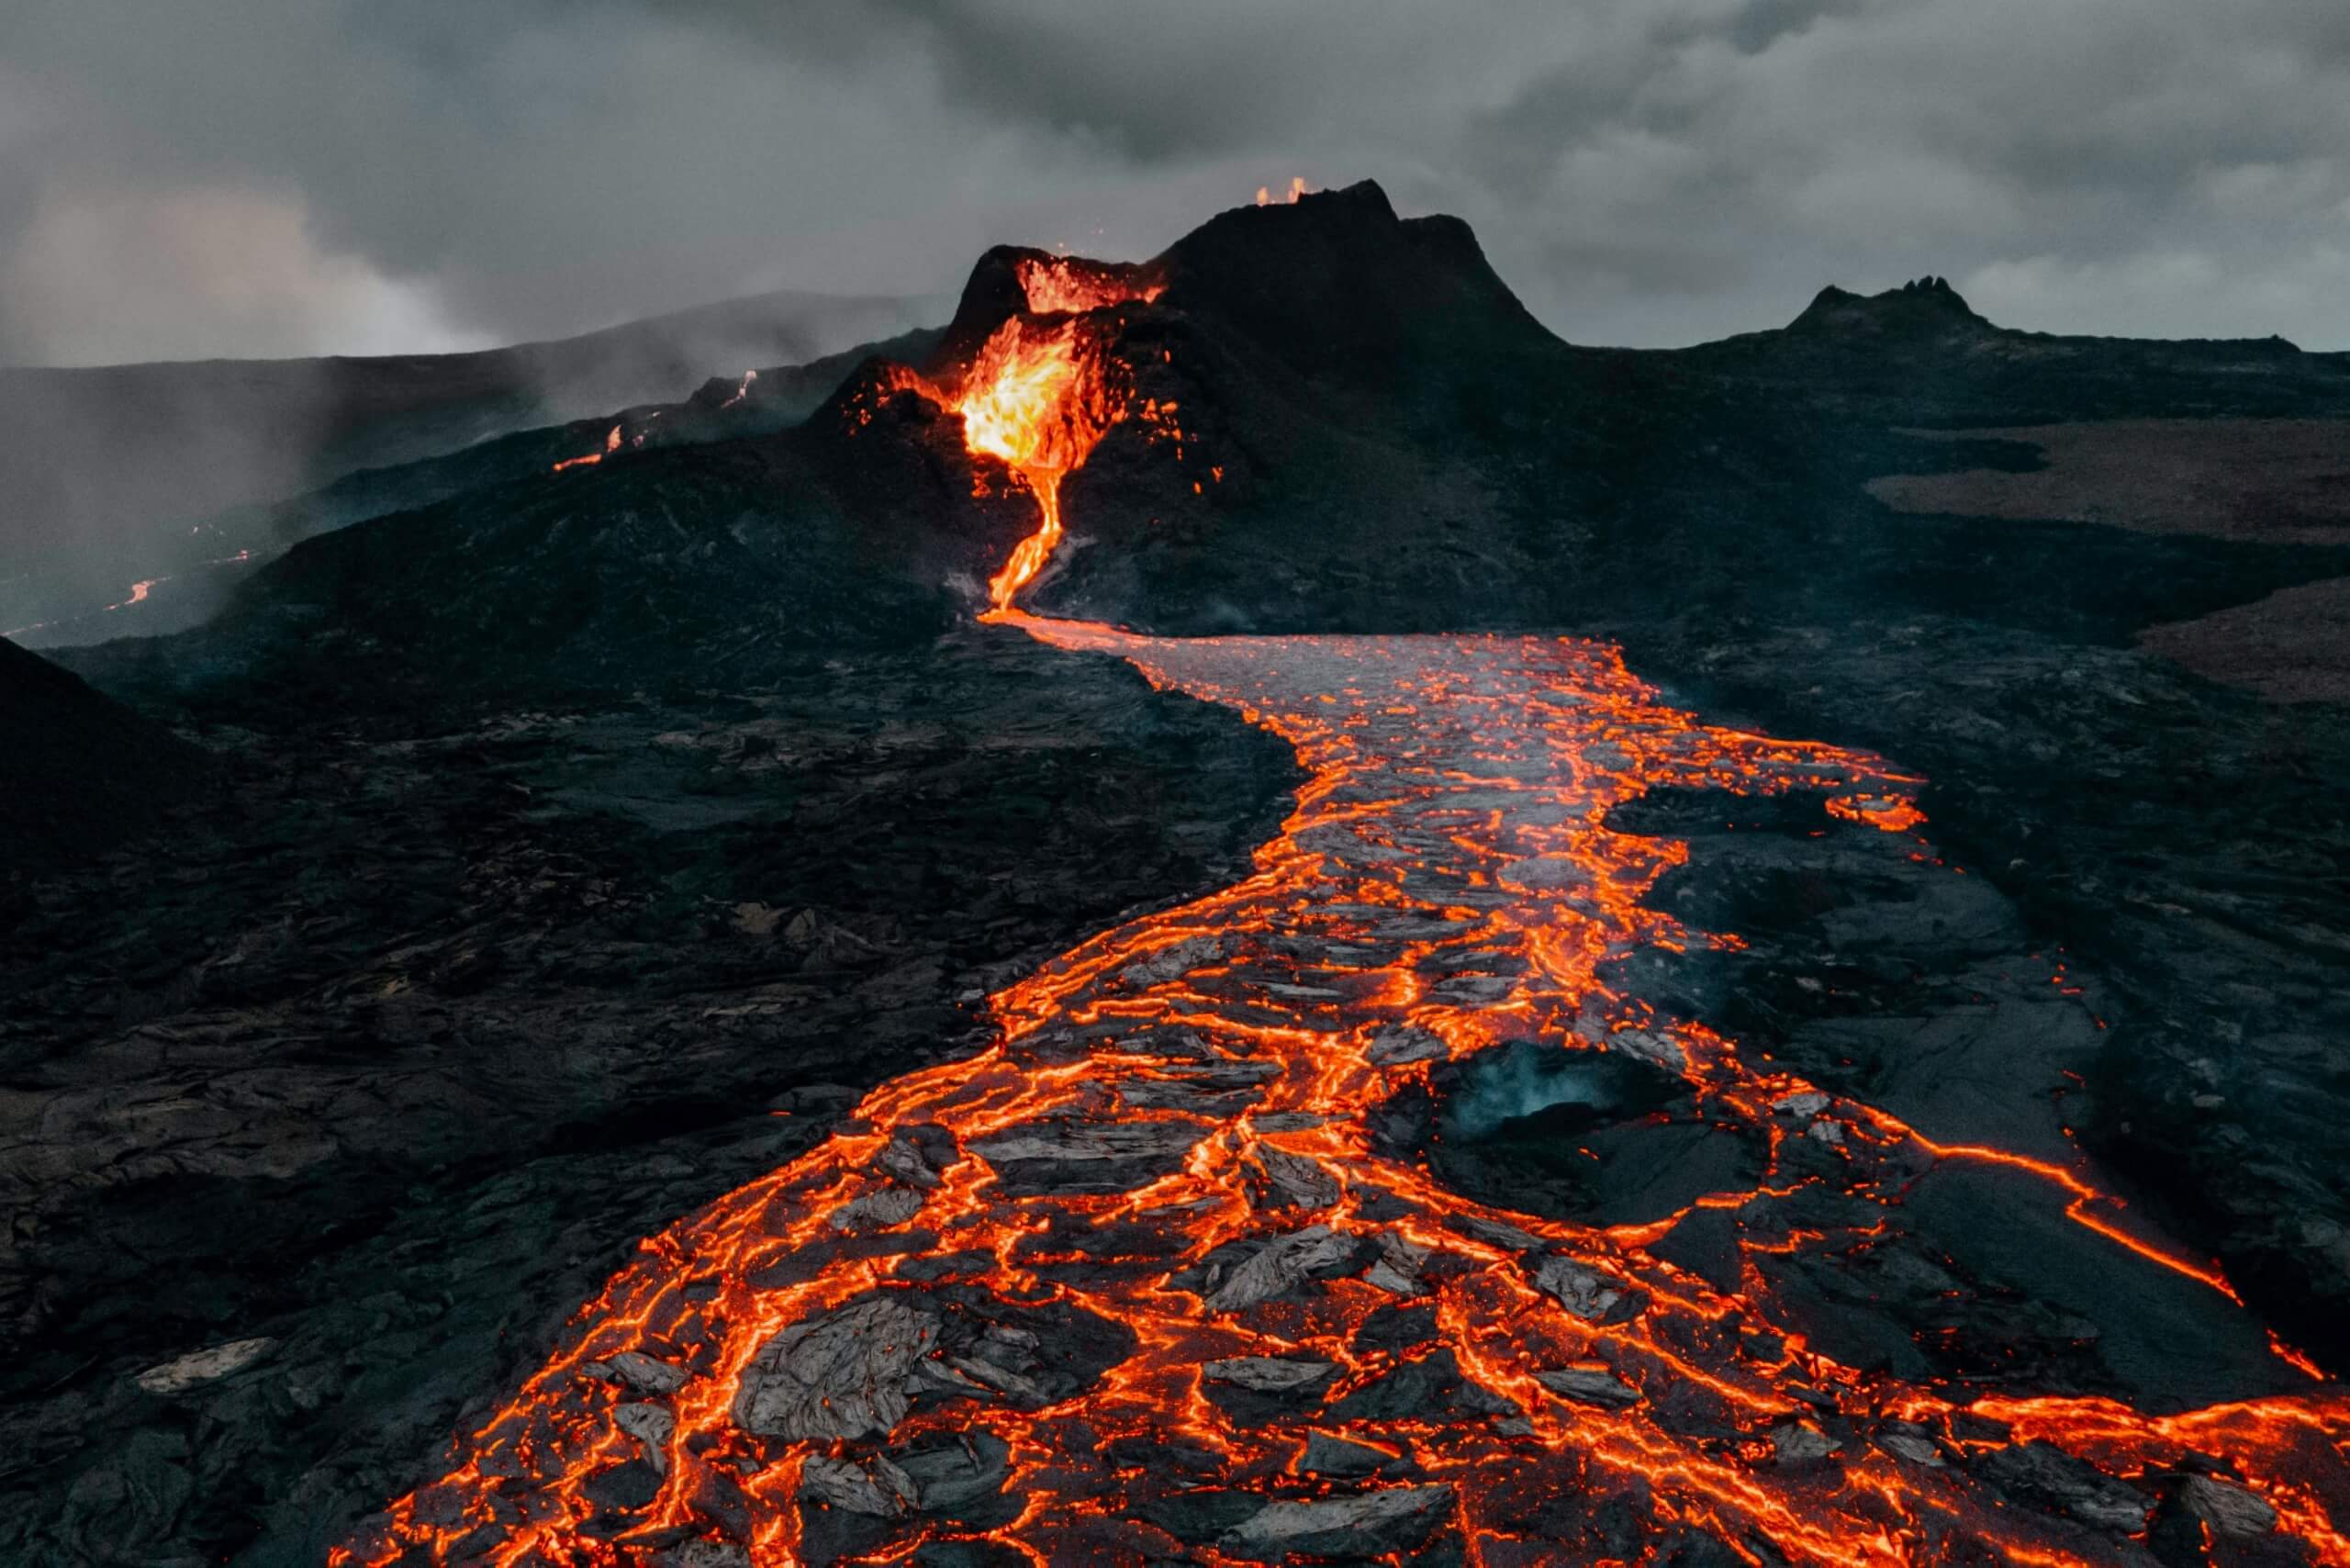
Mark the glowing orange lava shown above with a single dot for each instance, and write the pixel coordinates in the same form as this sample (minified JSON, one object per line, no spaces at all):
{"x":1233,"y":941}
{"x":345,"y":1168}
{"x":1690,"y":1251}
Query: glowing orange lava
{"x":1038,"y":396}
{"x":138,"y":592}
{"x":1034,"y":396}
{"x":589,"y":459}
{"x":1028,"y":1300}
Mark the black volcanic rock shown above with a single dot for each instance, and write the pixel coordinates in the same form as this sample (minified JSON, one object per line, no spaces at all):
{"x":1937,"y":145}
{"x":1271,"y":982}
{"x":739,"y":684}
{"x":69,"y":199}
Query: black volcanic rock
{"x":1335,"y":284}
{"x":78,"y":770}
{"x":1924,"y":306}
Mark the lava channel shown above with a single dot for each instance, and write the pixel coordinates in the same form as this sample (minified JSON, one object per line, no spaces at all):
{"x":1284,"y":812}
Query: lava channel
{"x":1144,"y":1281}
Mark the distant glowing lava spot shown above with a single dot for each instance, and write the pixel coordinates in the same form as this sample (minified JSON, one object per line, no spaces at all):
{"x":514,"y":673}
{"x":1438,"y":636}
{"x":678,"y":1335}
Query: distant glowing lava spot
{"x":589,"y":459}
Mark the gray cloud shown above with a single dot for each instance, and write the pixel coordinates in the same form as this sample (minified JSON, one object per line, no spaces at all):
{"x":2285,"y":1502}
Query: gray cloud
{"x":291,"y":176}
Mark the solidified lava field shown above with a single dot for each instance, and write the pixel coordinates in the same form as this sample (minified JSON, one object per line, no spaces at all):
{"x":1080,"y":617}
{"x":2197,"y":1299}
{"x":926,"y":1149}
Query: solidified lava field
{"x":1161,"y":1277}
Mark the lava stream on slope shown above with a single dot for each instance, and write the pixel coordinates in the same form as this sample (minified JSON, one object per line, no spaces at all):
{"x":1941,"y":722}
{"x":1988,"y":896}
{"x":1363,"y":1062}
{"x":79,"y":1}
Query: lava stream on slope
{"x":1143,"y":1282}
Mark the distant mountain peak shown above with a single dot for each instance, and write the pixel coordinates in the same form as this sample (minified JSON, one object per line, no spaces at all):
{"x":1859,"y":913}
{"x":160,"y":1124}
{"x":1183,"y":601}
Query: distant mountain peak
{"x":1922,"y":304}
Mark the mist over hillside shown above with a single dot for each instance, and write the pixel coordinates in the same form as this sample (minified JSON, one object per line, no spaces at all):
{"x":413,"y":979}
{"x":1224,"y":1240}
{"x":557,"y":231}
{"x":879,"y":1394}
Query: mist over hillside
{"x":118,"y":474}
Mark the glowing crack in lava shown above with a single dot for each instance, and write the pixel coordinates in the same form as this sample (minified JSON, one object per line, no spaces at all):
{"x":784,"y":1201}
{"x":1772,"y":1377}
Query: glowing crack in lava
{"x":1145,"y":1282}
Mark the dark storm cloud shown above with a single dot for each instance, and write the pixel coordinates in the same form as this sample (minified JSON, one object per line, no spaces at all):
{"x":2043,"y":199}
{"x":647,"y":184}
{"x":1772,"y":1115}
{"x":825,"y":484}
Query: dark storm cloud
{"x":280,"y":175}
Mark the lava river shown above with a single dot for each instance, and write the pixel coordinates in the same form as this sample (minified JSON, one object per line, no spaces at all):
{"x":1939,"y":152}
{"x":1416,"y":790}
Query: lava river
{"x":1146,"y":1282}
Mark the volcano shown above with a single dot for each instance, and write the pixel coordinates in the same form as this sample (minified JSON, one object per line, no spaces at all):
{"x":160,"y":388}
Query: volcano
{"x":1239,"y":909}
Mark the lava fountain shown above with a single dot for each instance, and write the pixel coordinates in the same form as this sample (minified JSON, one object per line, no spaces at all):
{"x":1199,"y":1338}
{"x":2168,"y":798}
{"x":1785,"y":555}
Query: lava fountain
{"x":1037,"y":395}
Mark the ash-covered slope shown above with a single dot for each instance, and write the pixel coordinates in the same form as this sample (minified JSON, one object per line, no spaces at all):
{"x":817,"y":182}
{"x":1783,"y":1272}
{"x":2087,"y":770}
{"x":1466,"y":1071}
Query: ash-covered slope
{"x":1339,"y":390}
{"x":215,"y":558}
{"x":78,"y":771}
{"x":687,"y":565}
{"x":120,"y":473}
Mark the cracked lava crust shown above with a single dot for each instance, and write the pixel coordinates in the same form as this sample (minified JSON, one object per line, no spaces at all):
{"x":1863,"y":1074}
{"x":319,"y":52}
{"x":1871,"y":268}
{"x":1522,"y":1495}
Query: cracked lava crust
{"x":1139,"y":1283}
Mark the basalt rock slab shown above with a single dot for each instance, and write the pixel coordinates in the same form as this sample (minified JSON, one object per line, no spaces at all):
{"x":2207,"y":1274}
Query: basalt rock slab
{"x":1279,"y":1265}
{"x":1268,"y":1373}
{"x":956,"y":1478}
{"x":839,"y":1376}
{"x":1431,"y":1385}
{"x":872,"y":1486}
{"x":2044,"y":1475}
{"x":1590,"y":1384}
{"x":1368,"y":1523}
{"x":1341,"y":1460}
{"x":1061,"y":1155}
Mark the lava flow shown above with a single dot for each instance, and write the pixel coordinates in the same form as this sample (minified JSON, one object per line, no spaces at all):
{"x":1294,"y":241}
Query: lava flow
{"x":1153,"y":1280}
{"x":1038,"y":396}
{"x":589,"y":459}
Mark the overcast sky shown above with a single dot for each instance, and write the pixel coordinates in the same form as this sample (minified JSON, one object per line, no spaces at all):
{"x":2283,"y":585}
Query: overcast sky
{"x":260,"y":177}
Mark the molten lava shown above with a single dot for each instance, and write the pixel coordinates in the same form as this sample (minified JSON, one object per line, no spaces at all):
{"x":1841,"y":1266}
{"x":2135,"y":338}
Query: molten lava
{"x":589,"y":459}
{"x":1145,"y":1282}
{"x":1073,"y":286}
{"x":1037,"y":396}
